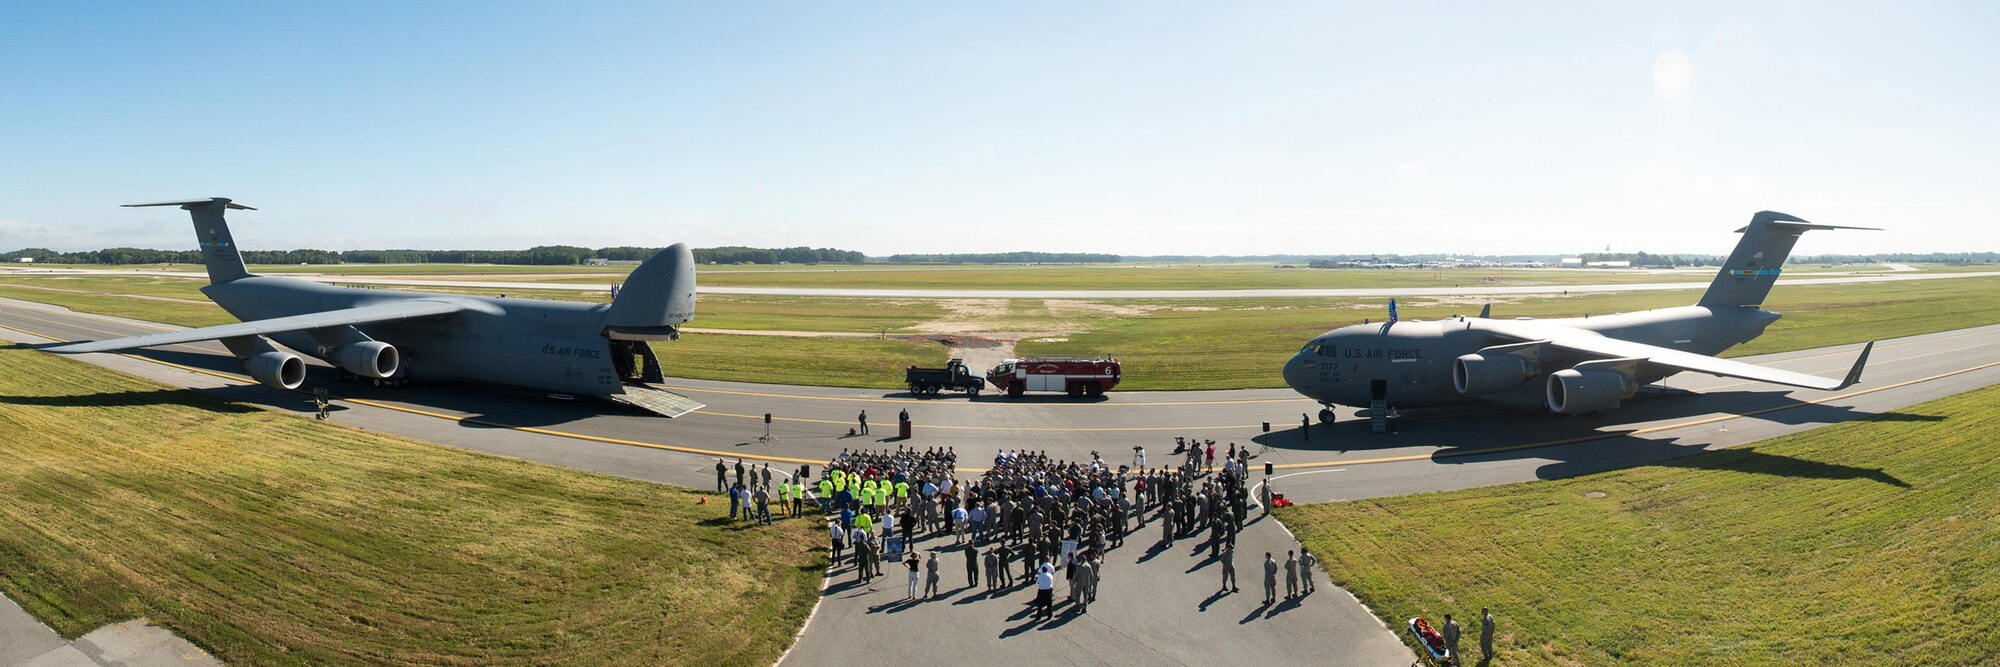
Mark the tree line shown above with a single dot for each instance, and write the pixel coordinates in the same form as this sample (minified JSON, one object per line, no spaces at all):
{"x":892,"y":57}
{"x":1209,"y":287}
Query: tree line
{"x":1023,"y":257}
{"x":539,"y":256}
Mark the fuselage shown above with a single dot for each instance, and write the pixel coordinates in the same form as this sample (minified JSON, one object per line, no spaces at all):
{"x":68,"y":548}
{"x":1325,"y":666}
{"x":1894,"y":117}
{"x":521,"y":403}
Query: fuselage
{"x":1409,"y":363}
{"x":549,"y":346}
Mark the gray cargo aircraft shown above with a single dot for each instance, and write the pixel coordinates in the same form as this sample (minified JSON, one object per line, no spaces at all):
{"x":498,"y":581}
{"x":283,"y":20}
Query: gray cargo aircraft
{"x":1569,"y":366}
{"x":390,"y":337}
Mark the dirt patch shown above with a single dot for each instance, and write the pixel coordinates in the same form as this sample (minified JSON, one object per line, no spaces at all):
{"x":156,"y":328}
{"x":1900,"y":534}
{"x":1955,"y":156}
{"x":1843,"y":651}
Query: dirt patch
{"x":1059,"y":308}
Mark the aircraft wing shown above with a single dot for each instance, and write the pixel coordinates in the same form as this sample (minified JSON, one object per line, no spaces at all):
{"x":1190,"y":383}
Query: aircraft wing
{"x":1594,"y":344}
{"x":387,"y":311}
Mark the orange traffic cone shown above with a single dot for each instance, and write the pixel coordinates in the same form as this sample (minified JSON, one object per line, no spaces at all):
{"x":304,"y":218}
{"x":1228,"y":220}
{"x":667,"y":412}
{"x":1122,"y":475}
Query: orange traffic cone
{"x":704,"y":501}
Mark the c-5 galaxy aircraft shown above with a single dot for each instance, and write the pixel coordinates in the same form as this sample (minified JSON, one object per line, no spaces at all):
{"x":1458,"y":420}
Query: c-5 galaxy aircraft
{"x":391,"y":337}
{"x":1570,"y":366}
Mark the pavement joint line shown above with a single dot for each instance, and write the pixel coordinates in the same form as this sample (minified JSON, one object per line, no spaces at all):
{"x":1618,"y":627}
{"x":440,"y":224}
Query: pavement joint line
{"x":1441,"y":454}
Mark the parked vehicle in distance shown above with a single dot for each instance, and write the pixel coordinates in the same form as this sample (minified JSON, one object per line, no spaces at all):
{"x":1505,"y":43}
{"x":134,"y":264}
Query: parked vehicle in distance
{"x":955,"y":376}
{"x":1076,"y":377}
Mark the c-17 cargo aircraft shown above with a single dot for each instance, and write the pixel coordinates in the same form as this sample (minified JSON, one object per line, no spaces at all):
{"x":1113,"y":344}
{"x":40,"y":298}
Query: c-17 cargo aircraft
{"x":1570,"y":366}
{"x":391,"y":337}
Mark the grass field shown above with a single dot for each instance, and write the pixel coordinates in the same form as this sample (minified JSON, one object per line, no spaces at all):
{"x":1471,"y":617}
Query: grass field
{"x":1873,"y":542}
{"x":1164,"y":344}
{"x":271,"y":539}
{"x":835,"y":362}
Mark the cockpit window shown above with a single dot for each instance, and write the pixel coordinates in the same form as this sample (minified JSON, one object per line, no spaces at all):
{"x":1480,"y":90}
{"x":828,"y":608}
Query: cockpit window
{"x":1327,"y":350}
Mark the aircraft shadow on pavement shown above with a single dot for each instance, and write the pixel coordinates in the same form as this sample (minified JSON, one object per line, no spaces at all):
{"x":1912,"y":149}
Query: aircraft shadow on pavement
{"x":1607,"y":442}
{"x":510,"y":408}
{"x":1627,"y":451}
{"x":1531,"y":426}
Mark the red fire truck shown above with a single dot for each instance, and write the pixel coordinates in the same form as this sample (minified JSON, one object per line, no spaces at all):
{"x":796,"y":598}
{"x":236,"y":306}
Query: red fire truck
{"x":1076,"y":377}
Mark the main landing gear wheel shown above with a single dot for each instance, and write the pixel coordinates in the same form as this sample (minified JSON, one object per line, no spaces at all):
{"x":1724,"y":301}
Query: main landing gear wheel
{"x":1326,"y":415}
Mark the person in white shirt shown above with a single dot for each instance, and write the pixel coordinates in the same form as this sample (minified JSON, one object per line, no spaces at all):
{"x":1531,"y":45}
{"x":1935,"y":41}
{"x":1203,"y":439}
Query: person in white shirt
{"x":1045,"y":591}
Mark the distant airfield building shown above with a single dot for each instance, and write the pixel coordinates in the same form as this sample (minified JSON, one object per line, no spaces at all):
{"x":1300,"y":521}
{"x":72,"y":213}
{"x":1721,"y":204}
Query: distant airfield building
{"x":1572,"y":262}
{"x":1610,"y":264}
{"x":25,"y":260}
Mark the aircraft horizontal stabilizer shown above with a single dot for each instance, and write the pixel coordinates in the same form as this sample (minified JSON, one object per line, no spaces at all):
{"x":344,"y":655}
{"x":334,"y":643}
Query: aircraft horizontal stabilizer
{"x":194,"y":202}
{"x":380,"y":312}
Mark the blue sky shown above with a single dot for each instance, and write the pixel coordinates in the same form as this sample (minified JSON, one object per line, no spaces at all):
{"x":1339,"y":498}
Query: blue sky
{"x":1134,"y":128}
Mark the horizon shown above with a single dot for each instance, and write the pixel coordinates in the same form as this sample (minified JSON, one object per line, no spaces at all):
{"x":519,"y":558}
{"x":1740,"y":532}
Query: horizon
{"x":1126,"y":128}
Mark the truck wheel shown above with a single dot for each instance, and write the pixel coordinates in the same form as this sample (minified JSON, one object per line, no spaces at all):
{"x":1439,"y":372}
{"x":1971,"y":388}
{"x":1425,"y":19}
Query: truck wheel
{"x":1016,"y":390}
{"x":1093,"y":389}
{"x":1074,"y":391}
{"x":916,"y":389}
{"x":972,"y":392}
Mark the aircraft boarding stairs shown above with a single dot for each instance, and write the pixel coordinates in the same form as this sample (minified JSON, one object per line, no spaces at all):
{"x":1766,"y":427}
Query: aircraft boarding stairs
{"x":656,"y":400}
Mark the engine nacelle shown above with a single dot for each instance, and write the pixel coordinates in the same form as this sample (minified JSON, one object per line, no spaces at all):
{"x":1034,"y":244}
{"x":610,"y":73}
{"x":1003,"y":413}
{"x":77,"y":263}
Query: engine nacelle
{"x":1574,"y":392}
{"x":276,"y":369}
{"x":369,"y":359}
{"x":1481,"y":374}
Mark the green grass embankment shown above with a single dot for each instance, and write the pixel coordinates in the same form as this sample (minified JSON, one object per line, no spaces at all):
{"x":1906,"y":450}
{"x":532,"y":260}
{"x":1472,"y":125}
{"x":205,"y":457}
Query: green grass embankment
{"x":1872,"y":542}
{"x":271,"y":539}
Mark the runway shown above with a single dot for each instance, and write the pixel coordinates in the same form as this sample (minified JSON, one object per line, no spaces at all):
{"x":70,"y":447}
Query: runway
{"x":1475,"y":447}
{"x":1373,"y":292}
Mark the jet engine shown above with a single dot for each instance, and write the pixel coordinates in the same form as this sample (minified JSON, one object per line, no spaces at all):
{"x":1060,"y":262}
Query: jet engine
{"x":1576,"y":392}
{"x":1481,"y":374}
{"x":276,"y":369}
{"x":369,"y":359}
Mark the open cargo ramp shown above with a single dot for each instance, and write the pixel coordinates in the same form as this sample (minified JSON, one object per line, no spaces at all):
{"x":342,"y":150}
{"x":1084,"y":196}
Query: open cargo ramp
{"x":656,"y":400}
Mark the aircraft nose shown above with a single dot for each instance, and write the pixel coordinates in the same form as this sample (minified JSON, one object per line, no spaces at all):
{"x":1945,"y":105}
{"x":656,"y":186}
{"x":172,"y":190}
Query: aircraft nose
{"x":1295,"y":374}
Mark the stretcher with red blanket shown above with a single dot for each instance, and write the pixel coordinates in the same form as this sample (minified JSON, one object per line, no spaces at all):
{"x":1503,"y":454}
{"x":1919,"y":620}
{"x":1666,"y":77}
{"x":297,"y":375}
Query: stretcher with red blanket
{"x":1431,"y":649}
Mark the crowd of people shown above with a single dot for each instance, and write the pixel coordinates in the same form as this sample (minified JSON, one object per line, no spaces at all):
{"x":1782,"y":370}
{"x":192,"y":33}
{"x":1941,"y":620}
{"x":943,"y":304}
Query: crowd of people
{"x":1042,"y":516}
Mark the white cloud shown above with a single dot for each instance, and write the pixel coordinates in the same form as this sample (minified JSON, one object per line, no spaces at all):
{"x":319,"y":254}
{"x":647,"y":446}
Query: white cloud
{"x":1672,"y":72}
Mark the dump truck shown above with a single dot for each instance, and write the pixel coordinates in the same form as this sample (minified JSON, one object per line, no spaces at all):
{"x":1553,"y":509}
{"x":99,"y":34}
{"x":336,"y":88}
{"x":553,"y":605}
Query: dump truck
{"x":955,"y":376}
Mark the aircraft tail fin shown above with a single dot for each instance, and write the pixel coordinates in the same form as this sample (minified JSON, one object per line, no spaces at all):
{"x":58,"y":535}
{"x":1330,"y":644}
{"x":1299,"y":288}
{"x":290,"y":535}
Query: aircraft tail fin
{"x":218,"y":248}
{"x":1746,"y":277}
{"x":656,"y":297}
